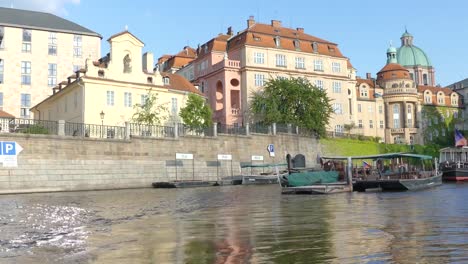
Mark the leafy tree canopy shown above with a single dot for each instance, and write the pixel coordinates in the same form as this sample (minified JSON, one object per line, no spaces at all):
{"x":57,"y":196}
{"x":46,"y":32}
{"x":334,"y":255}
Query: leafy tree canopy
{"x":292,"y":101}
{"x":196,"y":114}
{"x":150,"y":112}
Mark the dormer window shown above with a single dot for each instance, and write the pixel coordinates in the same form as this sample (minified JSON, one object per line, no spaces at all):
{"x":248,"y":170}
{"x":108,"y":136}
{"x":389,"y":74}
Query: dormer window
{"x":277,"y":41}
{"x":297,"y":44}
{"x":127,"y":62}
{"x":364,"y":92}
{"x":166,"y":80}
{"x":428,"y":97}
{"x":315,"y":47}
{"x":454,"y":100}
{"x":205,"y":48}
{"x":440,"y":98}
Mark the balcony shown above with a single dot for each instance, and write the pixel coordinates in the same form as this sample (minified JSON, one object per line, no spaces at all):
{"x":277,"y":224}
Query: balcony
{"x":401,"y":90}
{"x":397,"y":130}
{"x":226,"y":63}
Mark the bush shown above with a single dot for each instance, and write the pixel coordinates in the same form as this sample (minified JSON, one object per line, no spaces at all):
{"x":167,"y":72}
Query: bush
{"x":36,"y":129}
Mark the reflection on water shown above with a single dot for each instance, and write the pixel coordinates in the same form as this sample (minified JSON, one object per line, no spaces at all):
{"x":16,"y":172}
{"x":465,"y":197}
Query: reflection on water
{"x":238,"y":224}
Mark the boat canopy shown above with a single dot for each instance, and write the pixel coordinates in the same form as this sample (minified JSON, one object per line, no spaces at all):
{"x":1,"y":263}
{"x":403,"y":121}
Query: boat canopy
{"x":266,"y":165}
{"x":394,"y":155}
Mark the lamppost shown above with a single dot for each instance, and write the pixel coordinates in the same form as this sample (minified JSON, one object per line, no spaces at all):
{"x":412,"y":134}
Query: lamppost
{"x":102,"y":114}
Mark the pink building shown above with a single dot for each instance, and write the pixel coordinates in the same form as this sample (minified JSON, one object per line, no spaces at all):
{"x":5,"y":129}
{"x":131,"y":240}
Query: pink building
{"x":230,"y":67}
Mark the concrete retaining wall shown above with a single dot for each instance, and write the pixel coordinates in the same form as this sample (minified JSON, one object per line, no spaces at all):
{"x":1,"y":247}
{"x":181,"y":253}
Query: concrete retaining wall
{"x":57,"y":163}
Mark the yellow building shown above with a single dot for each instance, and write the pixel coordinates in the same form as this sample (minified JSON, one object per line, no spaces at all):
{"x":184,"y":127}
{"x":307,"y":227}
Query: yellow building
{"x":36,"y":50}
{"x":113,"y":85}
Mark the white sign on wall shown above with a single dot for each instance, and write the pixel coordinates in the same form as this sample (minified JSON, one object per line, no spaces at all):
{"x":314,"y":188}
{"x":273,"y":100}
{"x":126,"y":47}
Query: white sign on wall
{"x":224,"y":157}
{"x":184,"y":156}
{"x":9,"y":151}
{"x":260,"y":158}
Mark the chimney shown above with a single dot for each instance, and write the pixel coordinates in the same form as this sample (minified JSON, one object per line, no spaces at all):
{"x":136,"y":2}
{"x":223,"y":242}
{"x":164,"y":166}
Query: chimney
{"x":250,"y":21}
{"x":148,"y":62}
{"x":301,"y":30}
{"x":229,"y":31}
{"x":368,"y":75}
{"x":276,"y":23}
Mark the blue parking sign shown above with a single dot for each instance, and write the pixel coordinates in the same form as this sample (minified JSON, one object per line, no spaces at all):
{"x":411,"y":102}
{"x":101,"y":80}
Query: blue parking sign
{"x":271,"y":148}
{"x":9,"y":148}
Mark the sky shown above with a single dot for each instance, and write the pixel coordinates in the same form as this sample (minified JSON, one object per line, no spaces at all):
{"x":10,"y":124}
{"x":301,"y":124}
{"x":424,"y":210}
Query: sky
{"x":363,"y":29}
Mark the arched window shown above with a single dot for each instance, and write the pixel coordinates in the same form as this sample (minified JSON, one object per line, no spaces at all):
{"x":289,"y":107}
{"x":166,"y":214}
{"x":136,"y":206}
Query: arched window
{"x":440,"y":98}
{"x":428,"y":97}
{"x":454,"y":100}
{"x":425,"y":79}
{"x":396,"y":116}
{"x":409,"y":119}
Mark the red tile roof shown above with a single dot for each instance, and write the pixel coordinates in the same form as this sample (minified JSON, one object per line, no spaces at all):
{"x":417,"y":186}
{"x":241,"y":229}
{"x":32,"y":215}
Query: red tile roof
{"x":4,"y":114}
{"x":178,"y":82}
{"x":393,"y":71}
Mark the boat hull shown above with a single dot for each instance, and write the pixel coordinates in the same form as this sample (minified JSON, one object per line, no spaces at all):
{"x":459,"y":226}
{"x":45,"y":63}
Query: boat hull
{"x":457,"y":174}
{"x":397,"y":184}
{"x":260,"y":179}
{"x":317,"y":189}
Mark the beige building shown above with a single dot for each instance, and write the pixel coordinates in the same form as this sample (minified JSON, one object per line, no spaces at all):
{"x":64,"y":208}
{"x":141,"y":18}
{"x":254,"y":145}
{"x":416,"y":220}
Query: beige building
{"x":113,"y":85}
{"x":36,"y":51}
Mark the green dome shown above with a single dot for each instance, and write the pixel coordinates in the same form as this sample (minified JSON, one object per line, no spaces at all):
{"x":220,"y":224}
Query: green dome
{"x":411,"y":56}
{"x":406,"y":34}
{"x":392,"y":49}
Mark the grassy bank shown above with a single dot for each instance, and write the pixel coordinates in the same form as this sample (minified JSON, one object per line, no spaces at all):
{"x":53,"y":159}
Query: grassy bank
{"x":354,"y":147}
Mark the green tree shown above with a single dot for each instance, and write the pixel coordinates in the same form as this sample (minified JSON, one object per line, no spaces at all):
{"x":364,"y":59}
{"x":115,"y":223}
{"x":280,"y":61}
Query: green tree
{"x":149,"y":113}
{"x":196,"y":114}
{"x":292,"y":101}
{"x":349,"y":127}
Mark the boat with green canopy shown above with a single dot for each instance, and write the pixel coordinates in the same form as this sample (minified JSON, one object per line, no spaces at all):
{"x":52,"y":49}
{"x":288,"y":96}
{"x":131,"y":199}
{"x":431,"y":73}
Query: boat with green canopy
{"x":333,"y":176}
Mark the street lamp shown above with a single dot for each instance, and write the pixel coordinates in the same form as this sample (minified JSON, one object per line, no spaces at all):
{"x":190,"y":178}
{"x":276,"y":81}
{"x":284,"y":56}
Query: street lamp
{"x":102,"y":114}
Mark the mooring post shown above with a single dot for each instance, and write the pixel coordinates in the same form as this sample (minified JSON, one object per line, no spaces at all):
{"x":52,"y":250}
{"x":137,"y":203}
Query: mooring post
{"x":349,"y":172}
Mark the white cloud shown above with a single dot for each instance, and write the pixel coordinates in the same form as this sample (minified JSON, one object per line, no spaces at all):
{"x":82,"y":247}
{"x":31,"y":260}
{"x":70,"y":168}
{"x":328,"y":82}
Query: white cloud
{"x":49,"y":6}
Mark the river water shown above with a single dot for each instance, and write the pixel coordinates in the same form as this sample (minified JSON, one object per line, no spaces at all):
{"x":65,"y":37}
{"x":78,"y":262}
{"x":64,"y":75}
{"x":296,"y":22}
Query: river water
{"x":235,"y":224}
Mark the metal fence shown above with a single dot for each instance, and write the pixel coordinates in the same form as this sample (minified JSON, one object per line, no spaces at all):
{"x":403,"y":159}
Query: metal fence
{"x":28,"y":126}
{"x":94,"y":131}
{"x":231,"y":129}
{"x":260,"y":129}
{"x":151,"y":130}
{"x":186,"y":131}
{"x":32,"y":126}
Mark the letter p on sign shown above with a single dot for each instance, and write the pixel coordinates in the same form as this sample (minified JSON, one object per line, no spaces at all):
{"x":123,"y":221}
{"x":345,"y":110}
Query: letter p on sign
{"x":9,"y":148}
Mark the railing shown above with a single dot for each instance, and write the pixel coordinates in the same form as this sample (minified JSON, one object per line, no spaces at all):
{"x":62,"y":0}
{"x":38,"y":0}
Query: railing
{"x":28,"y":126}
{"x":284,"y":128}
{"x":31,"y":126}
{"x":231,"y":130}
{"x":401,"y":90}
{"x":186,"y":131}
{"x":226,"y":63}
{"x":151,"y":130}
{"x":260,"y":129}
{"x":94,"y":131}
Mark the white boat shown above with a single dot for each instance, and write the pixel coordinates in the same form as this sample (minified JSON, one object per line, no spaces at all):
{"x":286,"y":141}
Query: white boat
{"x":262,"y":173}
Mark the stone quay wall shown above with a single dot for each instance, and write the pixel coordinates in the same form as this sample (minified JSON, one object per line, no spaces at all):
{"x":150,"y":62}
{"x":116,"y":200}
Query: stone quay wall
{"x":60,"y":163}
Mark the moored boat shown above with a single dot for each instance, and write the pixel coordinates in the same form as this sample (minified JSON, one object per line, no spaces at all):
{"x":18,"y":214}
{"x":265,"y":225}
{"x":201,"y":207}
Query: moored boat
{"x":454,"y":163}
{"x":334,"y":176}
{"x":396,"y":172}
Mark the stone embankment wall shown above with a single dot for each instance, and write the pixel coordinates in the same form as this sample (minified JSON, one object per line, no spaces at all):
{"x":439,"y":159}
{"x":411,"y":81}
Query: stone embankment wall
{"x":59,"y":163}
